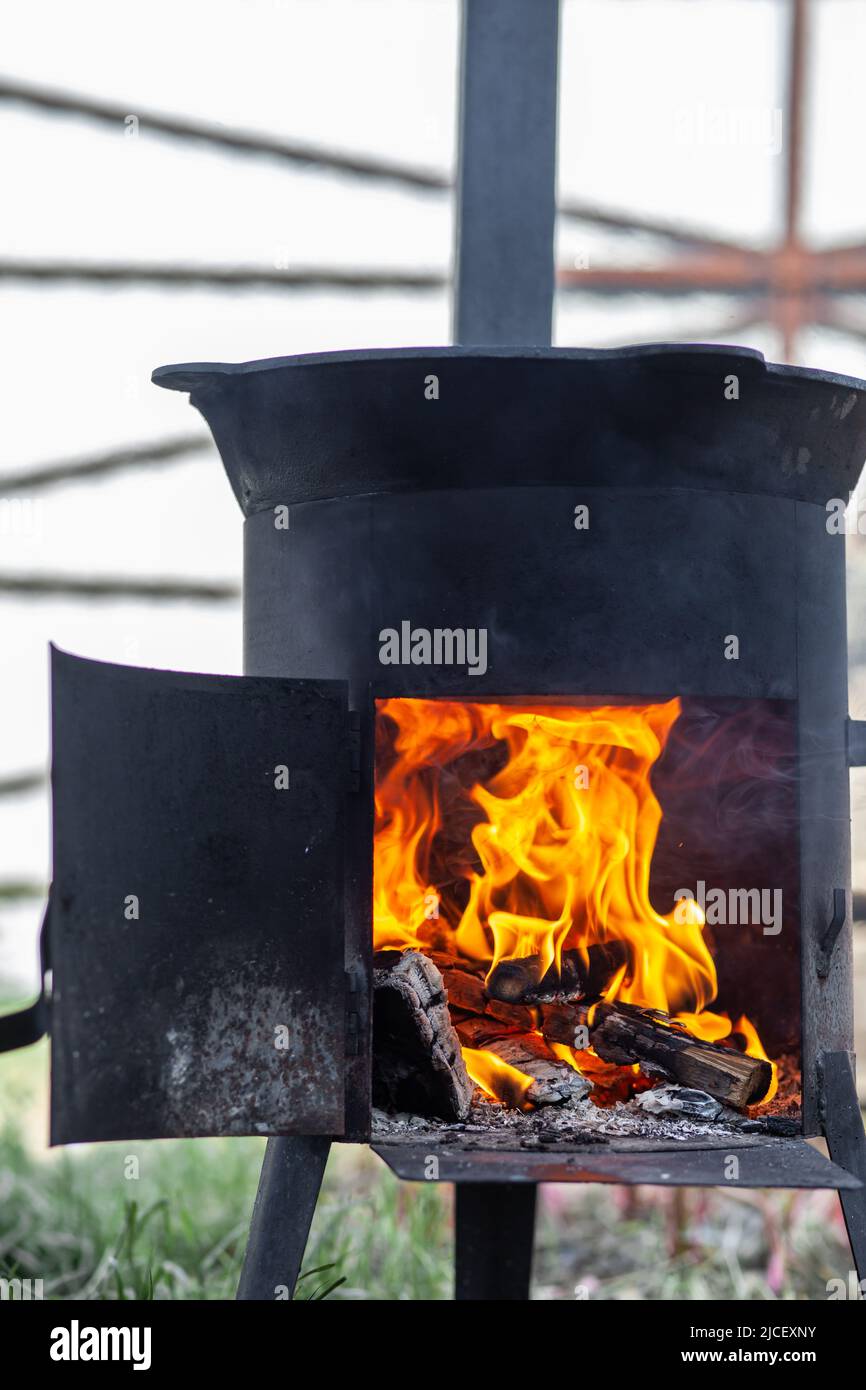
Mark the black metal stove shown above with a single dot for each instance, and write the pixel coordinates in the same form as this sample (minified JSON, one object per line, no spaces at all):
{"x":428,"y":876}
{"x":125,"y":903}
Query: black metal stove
{"x":209,"y":931}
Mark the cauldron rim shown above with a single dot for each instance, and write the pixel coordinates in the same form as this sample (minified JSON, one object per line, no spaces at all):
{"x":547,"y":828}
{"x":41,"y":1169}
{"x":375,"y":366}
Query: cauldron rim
{"x":337,"y":424}
{"x":187,"y":376}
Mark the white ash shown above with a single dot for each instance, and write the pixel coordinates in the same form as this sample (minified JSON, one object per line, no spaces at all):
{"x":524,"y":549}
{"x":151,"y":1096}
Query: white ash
{"x":627,"y":1118}
{"x":680,"y":1100}
{"x":577,"y":1122}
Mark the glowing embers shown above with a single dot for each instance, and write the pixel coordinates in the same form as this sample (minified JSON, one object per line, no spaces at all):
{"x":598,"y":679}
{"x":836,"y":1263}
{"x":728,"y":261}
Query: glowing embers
{"x":513,"y":844}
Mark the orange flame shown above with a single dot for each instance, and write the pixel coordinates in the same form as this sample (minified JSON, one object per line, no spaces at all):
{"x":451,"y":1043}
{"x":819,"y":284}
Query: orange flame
{"x":755,"y":1048}
{"x":559,"y":839}
{"x":497,"y":1078}
{"x":564,"y":1053}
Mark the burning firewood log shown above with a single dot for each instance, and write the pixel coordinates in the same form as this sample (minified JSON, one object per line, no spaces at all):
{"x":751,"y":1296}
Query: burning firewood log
{"x":581,"y":977}
{"x":625,"y":1034}
{"x":467,"y":992}
{"x":553,"y":1081}
{"x":475,"y":1030}
{"x":417,"y":1062}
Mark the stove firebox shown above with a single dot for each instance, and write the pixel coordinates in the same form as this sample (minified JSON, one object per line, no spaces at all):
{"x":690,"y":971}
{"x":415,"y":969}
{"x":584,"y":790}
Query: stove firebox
{"x":558,"y":873}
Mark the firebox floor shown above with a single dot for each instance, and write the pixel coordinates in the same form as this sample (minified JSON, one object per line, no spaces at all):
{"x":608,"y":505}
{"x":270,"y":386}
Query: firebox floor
{"x":580,"y":1122}
{"x":499,"y":1145}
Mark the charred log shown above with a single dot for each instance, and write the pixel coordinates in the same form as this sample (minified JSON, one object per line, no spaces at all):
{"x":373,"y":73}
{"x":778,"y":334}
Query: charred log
{"x":475,"y":1031}
{"x":583,"y":975}
{"x":417,"y":1062}
{"x":446,"y":961}
{"x":467,"y":992}
{"x":625,"y":1034}
{"x":553,"y":1081}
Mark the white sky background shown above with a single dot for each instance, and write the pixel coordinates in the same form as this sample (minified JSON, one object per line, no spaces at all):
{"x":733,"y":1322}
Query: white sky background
{"x":377,"y":77}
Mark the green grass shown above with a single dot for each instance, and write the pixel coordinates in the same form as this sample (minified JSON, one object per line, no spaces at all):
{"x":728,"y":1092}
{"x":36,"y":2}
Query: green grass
{"x":82,"y":1222}
{"x":178,"y":1230}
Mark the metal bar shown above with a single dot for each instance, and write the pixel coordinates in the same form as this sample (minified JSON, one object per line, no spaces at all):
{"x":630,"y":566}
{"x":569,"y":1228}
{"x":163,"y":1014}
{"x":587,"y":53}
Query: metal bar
{"x":506,"y":173}
{"x":21,"y":782}
{"x":734,"y":272}
{"x":289,"y":1186}
{"x":796,"y":122}
{"x":310,"y":156}
{"x":239,"y":141}
{"x":818,"y":273}
{"x":839,"y":269}
{"x":789,"y":311}
{"x":116,"y":587}
{"x":71,"y":470}
{"x":20,"y":890}
{"x":679,"y":235}
{"x":843,"y":1126}
{"x":740,"y":273}
{"x":495,"y":1224}
{"x":221,"y":277}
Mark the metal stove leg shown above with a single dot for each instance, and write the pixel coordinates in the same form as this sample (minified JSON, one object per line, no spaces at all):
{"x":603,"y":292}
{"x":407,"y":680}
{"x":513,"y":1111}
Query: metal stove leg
{"x":286,"y":1199}
{"x":495,"y":1227}
{"x":846,"y":1140}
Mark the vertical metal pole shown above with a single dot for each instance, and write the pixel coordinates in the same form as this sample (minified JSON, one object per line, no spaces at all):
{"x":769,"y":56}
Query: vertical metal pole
{"x":504,"y":283}
{"x":495,"y":1224}
{"x":506,"y":185}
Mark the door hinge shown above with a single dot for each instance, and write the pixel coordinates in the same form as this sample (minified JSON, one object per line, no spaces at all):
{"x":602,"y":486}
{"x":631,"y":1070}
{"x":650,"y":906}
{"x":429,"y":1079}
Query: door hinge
{"x":354,"y":750}
{"x":356,"y":1010}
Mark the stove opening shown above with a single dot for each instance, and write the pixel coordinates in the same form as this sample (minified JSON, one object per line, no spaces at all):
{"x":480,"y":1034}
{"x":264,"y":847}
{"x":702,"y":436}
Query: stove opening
{"x":586,"y":917}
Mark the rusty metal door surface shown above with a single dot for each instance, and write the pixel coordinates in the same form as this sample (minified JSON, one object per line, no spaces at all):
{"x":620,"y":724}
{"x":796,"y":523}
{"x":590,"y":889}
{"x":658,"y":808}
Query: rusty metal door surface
{"x":196,"y":927}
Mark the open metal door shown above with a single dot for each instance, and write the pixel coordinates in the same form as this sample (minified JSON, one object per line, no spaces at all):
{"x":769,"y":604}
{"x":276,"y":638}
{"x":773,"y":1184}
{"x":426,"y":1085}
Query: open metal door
{"x":196,"y":928}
